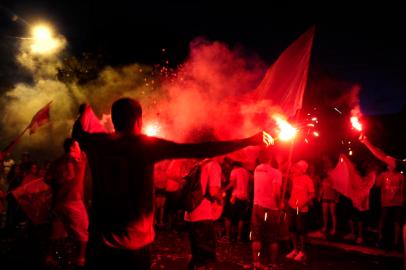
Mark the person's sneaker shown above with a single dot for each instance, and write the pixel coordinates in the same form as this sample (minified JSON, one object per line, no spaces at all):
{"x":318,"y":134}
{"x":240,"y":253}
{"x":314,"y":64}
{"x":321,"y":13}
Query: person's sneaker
{"x":292,"y":254}
{"x":359,"y":240}
{"x":300,"y":257}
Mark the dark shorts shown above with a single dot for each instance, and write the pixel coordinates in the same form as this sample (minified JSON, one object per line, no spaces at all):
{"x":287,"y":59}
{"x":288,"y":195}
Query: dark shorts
{"x":202,"y":237}
{"x":240,"y":210}
{"x":103,"y":257}
{"x":171,"y":204}
{"x":160,"y":192}
{"x":265,"y":224}
{"x":359,"y":216}
{"x":297,"y":222}
{"x":228,"y":210}
{"x":392,"y":213}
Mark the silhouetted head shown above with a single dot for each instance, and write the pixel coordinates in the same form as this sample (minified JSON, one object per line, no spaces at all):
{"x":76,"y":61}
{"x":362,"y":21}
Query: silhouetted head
{"x":72,"y":147}
{"x":126,"y":114}
{"x":300,"y":167}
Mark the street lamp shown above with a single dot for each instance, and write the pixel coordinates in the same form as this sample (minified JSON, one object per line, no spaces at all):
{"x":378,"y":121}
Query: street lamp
{"x":43,"y":40}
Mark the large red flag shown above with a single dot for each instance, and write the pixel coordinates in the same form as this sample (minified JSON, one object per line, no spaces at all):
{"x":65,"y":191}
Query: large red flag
{"x":347,"y":181}
{"x":40,"y":118}
{"x":34,"y":198}
{"x":285,"y":81}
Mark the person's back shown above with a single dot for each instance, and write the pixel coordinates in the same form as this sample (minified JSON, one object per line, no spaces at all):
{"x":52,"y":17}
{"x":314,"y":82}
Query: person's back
{"x":122,"y":170}
{"x":242,"y":178}
{"x":210,"y":178}
{"x":266,"y":181}
{"x":391,"y":184}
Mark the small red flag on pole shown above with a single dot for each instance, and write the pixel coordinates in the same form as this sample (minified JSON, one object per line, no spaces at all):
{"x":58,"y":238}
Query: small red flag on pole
{"x":40,"y":118}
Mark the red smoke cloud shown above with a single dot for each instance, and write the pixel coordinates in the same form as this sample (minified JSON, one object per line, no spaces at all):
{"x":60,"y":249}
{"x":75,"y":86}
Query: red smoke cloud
{"x":211,"y":90}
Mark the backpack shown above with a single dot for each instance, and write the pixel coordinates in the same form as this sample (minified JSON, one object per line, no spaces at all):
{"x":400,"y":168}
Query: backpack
{"x":190,"y":193}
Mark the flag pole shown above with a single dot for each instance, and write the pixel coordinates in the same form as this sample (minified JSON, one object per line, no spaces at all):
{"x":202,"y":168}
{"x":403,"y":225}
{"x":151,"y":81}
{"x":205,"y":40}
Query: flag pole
{"x":13,"y":143}
{"x":290,"y":156}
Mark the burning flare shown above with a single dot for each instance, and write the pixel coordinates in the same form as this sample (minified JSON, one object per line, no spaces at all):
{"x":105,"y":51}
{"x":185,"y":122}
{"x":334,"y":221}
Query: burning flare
{"x":286,"y":130}
{"x":356,"y":124}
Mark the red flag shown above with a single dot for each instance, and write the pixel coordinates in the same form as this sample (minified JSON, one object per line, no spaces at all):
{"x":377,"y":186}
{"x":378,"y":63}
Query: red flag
{"x":35,"y":200}
{"x":285,"y":81}
{"x":90,"y":122}
{"x":347,"y":181}
{"x":40,"y":118}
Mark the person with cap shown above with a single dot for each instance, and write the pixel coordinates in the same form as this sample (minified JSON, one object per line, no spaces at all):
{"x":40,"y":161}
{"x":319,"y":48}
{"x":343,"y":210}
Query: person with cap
{"x":301,"y":195}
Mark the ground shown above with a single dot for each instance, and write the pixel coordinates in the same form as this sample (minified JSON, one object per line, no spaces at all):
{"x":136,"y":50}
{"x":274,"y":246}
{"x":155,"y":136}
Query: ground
{"x":171,"y":251}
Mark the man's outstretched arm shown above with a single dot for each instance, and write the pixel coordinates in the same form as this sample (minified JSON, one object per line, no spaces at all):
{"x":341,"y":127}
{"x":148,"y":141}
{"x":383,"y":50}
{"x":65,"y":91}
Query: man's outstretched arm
{"x":169,"y":150}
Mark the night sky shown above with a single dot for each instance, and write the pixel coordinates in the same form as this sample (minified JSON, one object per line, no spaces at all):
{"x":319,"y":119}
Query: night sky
{"x":363,"y":44}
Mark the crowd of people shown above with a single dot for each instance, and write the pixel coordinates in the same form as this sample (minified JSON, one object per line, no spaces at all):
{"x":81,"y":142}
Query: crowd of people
{"x":135,"y":188}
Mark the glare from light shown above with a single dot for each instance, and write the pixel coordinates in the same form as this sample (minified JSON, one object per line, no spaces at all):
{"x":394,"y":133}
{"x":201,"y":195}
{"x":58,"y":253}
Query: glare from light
{"x":286,"y":130}
{"x":43,"y":40}
{"x":152,"y":129}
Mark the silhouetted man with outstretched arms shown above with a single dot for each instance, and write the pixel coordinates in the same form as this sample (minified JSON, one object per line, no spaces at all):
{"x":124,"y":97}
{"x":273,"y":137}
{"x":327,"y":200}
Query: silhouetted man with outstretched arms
{"x":122,"y":168}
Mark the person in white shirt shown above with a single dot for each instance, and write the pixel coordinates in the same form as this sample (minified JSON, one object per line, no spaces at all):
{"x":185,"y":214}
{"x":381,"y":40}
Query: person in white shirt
{"x":201,"y":220}
{"x":239,"y":201}
{"x":266,"y":211}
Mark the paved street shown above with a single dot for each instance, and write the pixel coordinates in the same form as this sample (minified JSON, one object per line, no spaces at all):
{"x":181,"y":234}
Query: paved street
{"x":171,"y":251}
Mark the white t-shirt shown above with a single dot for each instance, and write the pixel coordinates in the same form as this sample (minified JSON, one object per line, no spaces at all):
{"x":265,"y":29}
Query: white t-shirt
{"x":240,"y":179}
{"x":211,"y":174}
{"x":267,"y":182}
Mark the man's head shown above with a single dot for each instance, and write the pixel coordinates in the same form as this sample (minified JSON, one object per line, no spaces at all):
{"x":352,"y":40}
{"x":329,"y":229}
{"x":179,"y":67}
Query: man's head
{"x":126,"y":114}
{"x":72,"y":147}
{"x":300,"y":167}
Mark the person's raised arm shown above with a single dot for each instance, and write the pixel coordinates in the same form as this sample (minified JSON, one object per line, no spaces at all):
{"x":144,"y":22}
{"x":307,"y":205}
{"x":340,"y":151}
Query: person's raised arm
{"x":378,"y":153}
{"x":78,"y":131}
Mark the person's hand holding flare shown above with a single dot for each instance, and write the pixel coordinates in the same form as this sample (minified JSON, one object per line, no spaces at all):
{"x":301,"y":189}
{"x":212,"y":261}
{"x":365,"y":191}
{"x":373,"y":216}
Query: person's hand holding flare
{"x":267,"y":139}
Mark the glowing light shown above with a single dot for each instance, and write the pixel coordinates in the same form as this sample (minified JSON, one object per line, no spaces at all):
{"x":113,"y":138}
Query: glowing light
{"x":266,"y":216}
{"x":152,"y":129}
{"x":350,"y":153}
{"x":314,"y":119}
{"x":316,"y":134}
{"x":43,"y":40}
{"x":306,"y":140}
{"x":341,"y":160}
{"x":286,"y":130}
{"x":337,"y":110}
{"x":356,"y":123}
